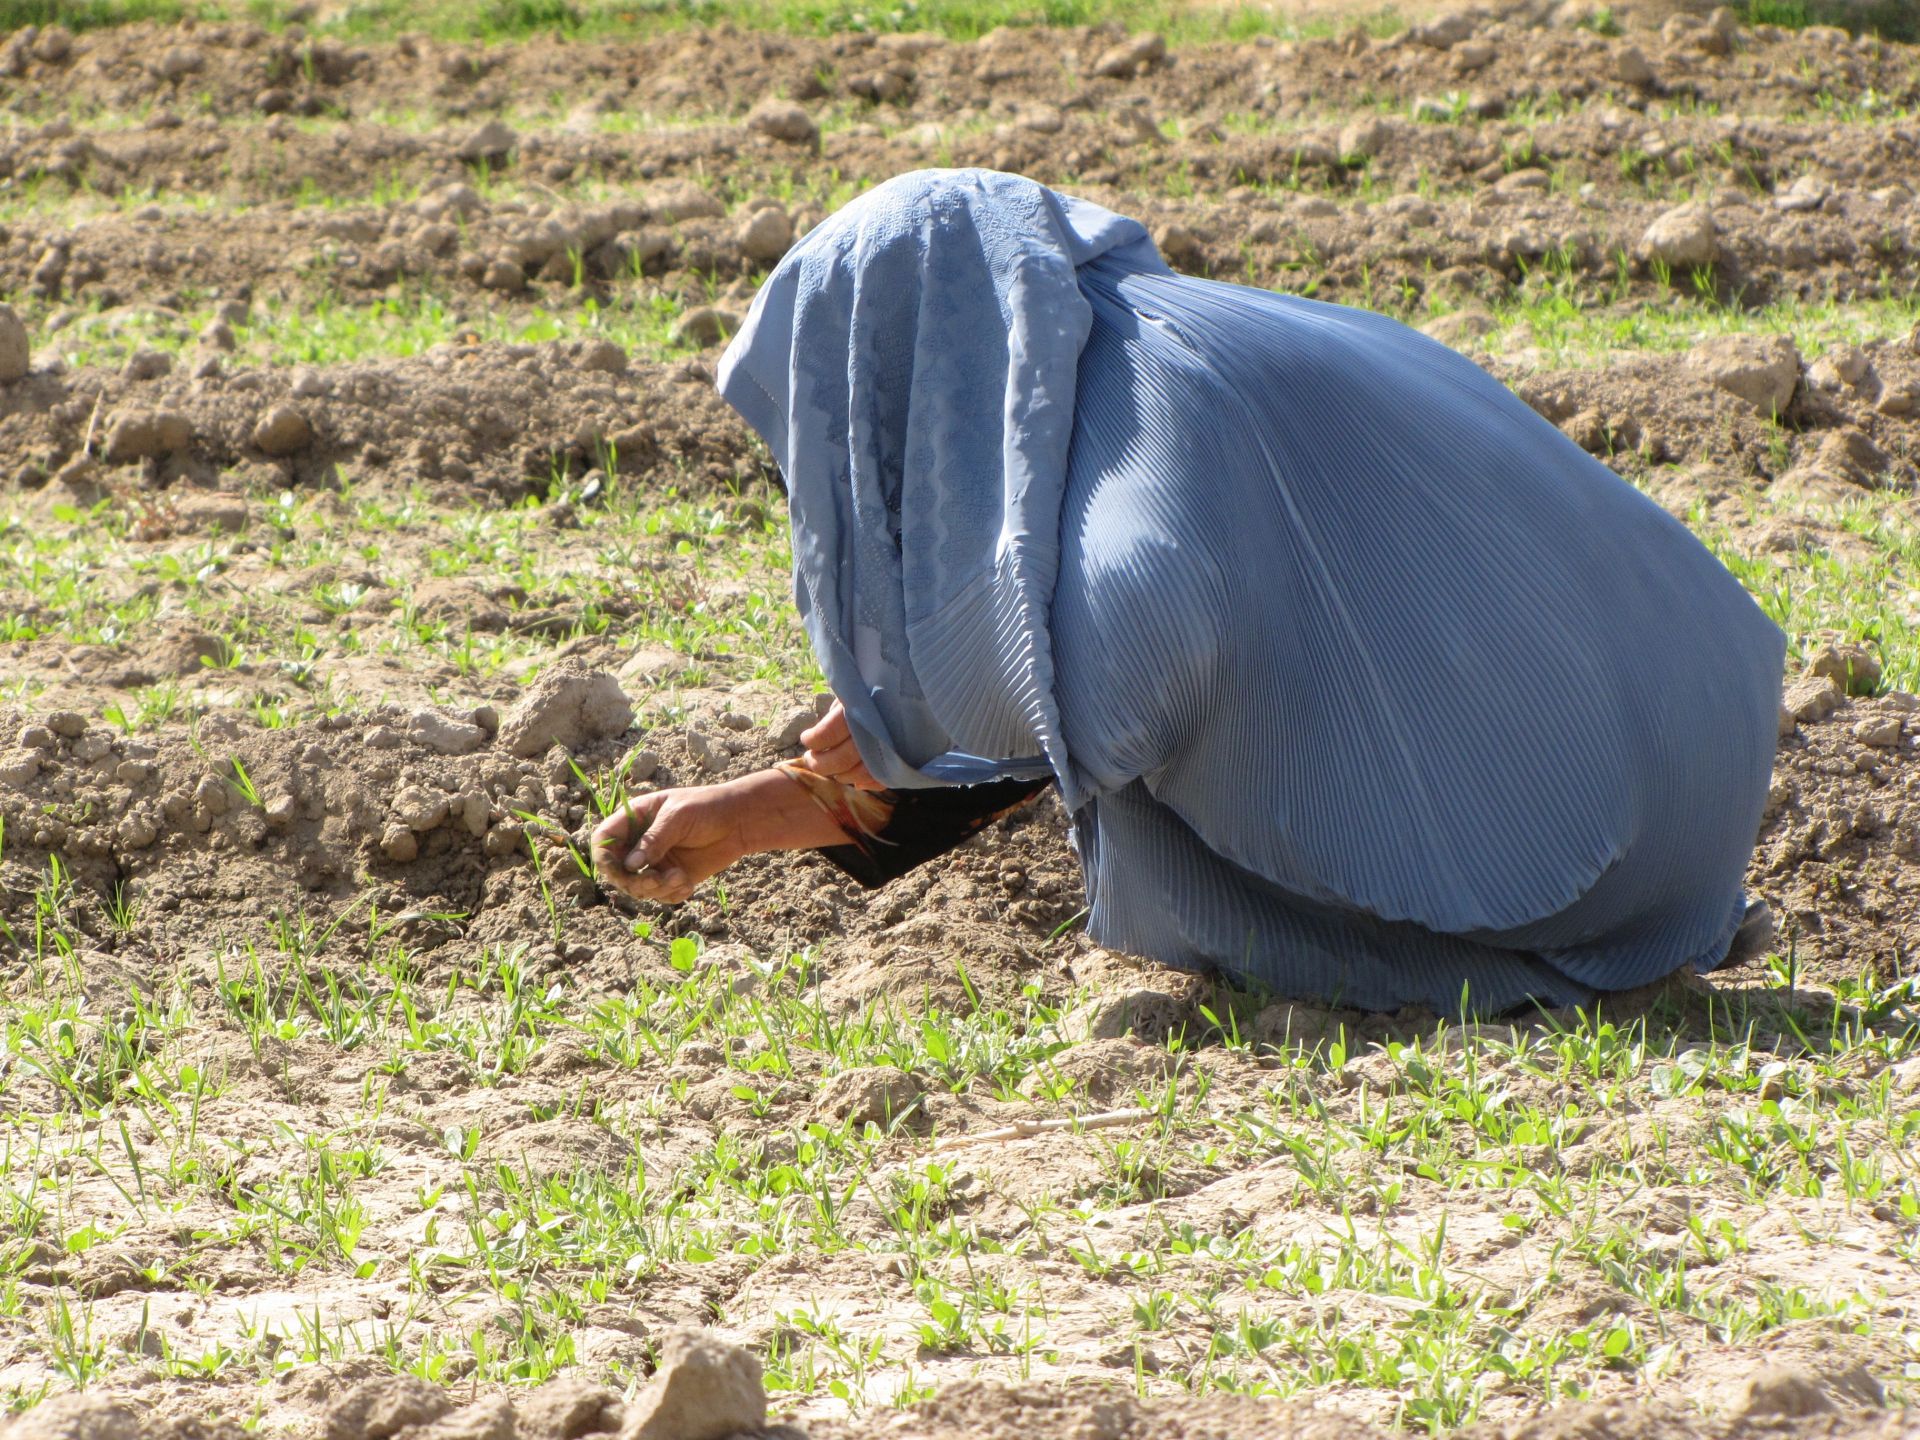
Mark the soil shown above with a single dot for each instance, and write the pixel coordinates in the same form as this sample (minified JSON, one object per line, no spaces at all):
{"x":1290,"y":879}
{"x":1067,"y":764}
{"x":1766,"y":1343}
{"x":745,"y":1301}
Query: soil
{"x":157,"y":181}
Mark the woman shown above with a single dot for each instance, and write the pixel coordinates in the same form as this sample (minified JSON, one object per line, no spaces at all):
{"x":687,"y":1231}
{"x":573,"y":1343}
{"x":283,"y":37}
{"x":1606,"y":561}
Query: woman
{"x":1359,"y":680}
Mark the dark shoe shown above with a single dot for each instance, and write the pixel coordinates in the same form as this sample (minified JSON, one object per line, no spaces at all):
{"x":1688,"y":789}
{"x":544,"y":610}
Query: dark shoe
{"x":1754,"y":938}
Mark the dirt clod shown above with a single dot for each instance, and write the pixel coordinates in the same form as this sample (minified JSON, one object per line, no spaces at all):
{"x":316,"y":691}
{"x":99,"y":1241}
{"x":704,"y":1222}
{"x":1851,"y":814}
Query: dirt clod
{"x":1150,"y":1015}
{"x":568,"y":706}
{"x":444,"y":735}
{"x":492,"y":142}
{"x":765,"y":234}
{"x":706,"y":325}
{"x":1131,"y":56}
{"x":569,"y":1408}
{"x":1762,"y":370}
{"x":15,"y":354}
{"x":383,"y":1409}
{"x":872,"y":1094}
{"x":76,"y":1417}
{"x":1683,"y":237}
{"x":283,"y":431}
{"x":783,"y":120}
{"x":1854,"y":668}
{"x":705,"y":1389}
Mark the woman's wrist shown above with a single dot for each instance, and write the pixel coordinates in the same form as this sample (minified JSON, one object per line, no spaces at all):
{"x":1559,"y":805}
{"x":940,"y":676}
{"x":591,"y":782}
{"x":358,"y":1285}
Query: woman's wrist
{"x":776,"y":814}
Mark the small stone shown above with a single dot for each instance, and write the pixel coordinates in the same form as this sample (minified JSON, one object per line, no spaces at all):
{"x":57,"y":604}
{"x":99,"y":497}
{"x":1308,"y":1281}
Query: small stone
{"x":705,"y":325}
{"x":568,"y":705}
{"x":735,"y":721}
{"x":1630,"y":67}
{"x":493,"y":142}
{"x":1133,"y":56}
{"x":793,"y":724}
{"x":67,"y":724}
{"x":783,"y":120}
{"x":869,"y":1094}
{"x":1854,"y":668}
{"x":444,"y":735}
{"x":38,"y":737}
{"x":704,"y":1389}
{"x":1809,"y":192}
{"x":283,"y":431}
{"x":383,"y":737}
{"x":1880,"y":731}
{"x":1762,"y":370}
{"x":399,"y":844}
{"x":765,"y":235}
{"x":1683,"y":237}
{"x":282,"y":811}
{"x":15,"y":352}
{"x":1811,"y":699}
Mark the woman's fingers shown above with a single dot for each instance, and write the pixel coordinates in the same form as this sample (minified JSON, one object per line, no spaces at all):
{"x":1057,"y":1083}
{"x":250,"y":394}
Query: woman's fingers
{"x":830,"y":730}
{"x":842,"y":763}
{"x":834,"y":760}
{"x":668,"y":886}
{"x":616,"y":840}
{"x":831,"y":751}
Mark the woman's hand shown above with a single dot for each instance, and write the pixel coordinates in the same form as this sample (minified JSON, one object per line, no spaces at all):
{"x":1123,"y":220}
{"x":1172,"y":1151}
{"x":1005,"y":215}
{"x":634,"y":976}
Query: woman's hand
{"x":661,"y":846}
{"x":831,"y":751}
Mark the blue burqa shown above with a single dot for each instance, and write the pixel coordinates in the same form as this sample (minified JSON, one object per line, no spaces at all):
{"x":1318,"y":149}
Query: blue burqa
{"x":1359,"y":680}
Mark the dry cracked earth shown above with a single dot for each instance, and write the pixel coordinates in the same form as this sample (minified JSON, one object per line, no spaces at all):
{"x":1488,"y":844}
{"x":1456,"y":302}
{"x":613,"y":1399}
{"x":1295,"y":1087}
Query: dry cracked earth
{"x":368,"y":524}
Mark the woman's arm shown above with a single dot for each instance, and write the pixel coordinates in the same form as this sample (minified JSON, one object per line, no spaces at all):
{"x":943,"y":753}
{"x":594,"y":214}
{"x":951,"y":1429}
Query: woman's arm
{"x":661,"y":846}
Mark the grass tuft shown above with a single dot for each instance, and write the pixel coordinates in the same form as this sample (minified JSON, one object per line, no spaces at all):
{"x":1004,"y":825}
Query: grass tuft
{"x":1890,"y":19}
{"x":89,"y":14}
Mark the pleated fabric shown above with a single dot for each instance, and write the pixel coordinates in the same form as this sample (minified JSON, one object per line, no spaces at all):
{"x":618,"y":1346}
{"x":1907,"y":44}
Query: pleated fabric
{"x":1362,"y":683}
